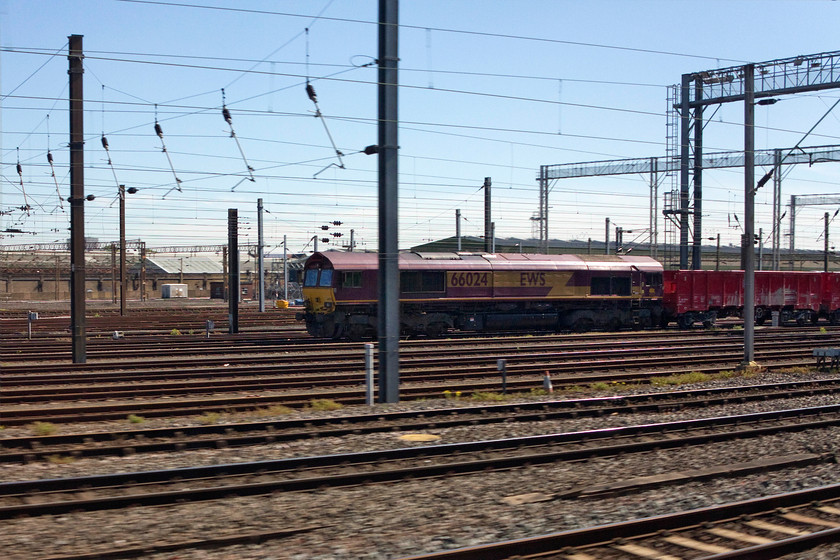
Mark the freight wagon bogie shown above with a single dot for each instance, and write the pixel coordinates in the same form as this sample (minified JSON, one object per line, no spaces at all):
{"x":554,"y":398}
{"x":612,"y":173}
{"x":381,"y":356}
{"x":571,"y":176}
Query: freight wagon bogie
{"x":687,"y":320}
{"x":799,"y":317}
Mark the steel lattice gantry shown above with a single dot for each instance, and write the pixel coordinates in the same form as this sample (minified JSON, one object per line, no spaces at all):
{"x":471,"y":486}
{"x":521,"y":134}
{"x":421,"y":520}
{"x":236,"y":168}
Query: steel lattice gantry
{"x":652,"y":166}
{"x":749,"y":83}
{"x":807,"y":200}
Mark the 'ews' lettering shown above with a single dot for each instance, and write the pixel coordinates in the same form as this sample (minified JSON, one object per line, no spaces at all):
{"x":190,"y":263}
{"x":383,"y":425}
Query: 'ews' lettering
{"x":532,"y":278}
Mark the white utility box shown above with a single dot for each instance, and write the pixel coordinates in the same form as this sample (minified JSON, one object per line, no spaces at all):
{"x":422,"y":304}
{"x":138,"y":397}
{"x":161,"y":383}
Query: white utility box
{"x":173,"y":290}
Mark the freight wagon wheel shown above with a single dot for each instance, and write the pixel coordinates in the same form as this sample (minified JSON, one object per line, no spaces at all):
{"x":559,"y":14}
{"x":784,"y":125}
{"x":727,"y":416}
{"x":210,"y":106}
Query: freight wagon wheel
{"x":804,"y":318}
{"x":760,"y":315}
{"x":685,"y":321}
{"x":834,"y":318}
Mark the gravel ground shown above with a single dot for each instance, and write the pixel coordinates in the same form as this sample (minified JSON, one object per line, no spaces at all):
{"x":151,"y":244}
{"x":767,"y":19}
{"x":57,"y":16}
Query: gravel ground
{"x":406,"y":518}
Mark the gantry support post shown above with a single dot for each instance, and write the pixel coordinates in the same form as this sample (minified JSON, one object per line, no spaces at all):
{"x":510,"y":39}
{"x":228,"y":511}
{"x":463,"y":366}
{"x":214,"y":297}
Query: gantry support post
{"x":78,"y":324}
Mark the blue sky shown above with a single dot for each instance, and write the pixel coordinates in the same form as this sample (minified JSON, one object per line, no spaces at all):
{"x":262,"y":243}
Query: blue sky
{"x":489,"y":89}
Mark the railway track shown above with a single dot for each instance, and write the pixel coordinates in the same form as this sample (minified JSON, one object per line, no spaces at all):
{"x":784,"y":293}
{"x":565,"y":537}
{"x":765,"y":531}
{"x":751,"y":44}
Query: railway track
{"x":124,"y":442}
{"x":762,"y":528}
{"x":114,"y":491}
{"x":294,"y":339}
{"x":309,"y":358}
{"x":299,"y":378}
{"x":56,"y":324}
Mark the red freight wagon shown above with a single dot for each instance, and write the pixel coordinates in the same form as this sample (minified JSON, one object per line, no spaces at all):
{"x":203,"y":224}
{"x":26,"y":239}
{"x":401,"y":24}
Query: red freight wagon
{"x":830,"y":306}
{"x":691,"y":296}
{"x":796,"y":295}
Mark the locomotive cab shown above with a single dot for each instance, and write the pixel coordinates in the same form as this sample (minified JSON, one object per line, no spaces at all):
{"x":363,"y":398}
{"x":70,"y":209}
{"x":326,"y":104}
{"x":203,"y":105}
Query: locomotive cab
{"x":318,"y":298}
{"x":318,"y":295}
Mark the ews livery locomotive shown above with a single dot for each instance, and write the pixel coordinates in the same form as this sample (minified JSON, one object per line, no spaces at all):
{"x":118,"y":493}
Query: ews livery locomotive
{"x":483,"y":292}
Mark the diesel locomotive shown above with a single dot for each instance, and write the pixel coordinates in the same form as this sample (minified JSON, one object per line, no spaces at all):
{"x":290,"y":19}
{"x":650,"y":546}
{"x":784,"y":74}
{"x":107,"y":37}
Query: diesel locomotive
{"x":483,"y":292}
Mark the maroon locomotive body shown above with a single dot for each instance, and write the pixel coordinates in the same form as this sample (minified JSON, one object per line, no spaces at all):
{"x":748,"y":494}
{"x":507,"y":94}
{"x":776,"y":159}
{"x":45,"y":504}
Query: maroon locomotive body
{"x":483,"y":292}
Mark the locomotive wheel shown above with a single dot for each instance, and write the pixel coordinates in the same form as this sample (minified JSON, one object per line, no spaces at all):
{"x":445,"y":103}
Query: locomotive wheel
{"x":435,"y":330}
{"x":582,"y":325}
{"x":338,"y":332}
{"x":356,"y":333}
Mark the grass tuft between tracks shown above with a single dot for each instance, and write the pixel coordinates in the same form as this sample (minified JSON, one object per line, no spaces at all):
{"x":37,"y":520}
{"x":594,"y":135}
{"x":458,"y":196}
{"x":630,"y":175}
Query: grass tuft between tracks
{"x":134,"y":419}
{"x":796,"y":369}
{"x":209,"y":417}
{"x":324,"y":404}
{"x":44,"y":428}
{"x":274,"y":410}
{"x":60,"y":459}
{"x":700,"y":377}
{"x":485,"y":396}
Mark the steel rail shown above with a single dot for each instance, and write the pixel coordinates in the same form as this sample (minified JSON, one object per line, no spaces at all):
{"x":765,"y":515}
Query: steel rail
{"x":313,"y":347}
{"x":371,"y":463}
{"x":118,"y":350}
{"x":587,"y":539}
{"x":353,"y":356}
{"x":256,"y":433}
{"x":249,"y":537}
{"x":487,"y":382}
{"x":297,"y":375}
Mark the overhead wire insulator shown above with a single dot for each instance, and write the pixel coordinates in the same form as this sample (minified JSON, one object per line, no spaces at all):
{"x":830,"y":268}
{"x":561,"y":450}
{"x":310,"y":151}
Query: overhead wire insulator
{"x":310,"y":91}
{"x":229,"y":120}
{"x":110,"y":164}
{"x":159,"y":132}
{"x":25,"y":206}
{"x":52,"y":172}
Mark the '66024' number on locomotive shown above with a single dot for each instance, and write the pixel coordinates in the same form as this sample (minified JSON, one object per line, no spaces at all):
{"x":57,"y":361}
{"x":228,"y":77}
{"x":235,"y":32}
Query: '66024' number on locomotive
{"x":469,"y":279}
